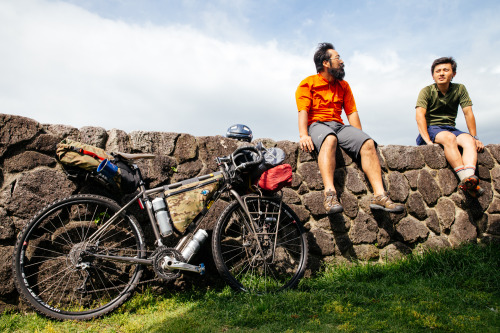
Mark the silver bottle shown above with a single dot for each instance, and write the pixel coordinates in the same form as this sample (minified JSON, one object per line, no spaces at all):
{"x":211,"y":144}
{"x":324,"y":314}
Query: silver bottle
{"x":195,"y":244}
{"x":162,"y":218}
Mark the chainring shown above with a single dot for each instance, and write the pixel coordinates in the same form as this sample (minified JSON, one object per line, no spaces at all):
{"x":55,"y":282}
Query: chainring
{"x":158,"y":257}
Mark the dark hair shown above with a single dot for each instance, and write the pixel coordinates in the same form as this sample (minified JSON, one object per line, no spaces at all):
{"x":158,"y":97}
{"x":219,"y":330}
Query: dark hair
{"x":444,"y":60}
{"x":322,"y":54}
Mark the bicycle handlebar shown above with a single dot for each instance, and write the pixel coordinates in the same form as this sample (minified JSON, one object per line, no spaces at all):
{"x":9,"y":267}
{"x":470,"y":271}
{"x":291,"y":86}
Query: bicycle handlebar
{"x":245,"y":165}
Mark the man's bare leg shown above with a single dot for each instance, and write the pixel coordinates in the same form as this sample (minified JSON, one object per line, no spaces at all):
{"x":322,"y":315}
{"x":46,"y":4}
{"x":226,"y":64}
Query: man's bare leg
{"x":468,"y":144}
{"x":326,"y":161}
{"x":326,"y":164}
{"x":468,"y":181}
{"x":449,"y":142}
{"x":371,"y":166}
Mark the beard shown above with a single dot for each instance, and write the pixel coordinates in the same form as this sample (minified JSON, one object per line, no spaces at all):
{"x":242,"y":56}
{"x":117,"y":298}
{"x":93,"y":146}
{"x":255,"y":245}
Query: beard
{"x":337,"y":73}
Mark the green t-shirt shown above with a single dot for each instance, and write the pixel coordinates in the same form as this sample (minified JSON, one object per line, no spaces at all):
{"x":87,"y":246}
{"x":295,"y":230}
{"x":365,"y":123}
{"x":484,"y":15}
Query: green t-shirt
{"x":442,"y":109}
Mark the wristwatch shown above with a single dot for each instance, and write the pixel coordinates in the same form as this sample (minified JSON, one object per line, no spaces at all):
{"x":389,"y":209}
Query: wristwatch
{"x":475,"y":137}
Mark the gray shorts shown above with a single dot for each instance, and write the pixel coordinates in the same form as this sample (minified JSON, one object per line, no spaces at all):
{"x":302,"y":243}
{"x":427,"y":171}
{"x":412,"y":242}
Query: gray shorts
{"x":349,"y":138}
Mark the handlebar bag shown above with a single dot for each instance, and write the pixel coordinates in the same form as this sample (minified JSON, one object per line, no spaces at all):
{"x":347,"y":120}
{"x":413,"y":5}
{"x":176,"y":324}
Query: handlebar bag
{"x":271,"y":157}
{"x":276,"y":178}
{"x":185,"y":202}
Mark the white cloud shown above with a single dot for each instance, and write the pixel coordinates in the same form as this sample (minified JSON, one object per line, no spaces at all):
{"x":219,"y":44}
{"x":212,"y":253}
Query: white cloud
{"x":60,"y":63}
{"x":382,"y":62}
{"x":69,"y":66}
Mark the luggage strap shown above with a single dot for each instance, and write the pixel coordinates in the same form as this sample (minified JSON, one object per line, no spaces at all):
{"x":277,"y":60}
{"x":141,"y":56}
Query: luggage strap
{"x":86,"y":152}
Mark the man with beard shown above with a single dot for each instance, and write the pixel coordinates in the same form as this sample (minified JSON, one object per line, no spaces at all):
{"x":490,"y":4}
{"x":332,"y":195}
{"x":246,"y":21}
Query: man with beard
{"x":436,"y":112}
{"x":320,"y":100}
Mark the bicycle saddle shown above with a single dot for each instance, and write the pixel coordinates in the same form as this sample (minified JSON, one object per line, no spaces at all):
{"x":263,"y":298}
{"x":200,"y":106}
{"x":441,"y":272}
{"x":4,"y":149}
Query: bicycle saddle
{"x":135,"y":156}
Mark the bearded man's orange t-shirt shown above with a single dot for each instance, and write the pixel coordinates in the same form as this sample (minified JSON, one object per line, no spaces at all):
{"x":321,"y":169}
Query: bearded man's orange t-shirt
{"x":323,"y":100}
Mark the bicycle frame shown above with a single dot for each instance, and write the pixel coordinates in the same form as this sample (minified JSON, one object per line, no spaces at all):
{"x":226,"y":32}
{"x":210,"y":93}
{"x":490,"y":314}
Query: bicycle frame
{"x":144,"y":199}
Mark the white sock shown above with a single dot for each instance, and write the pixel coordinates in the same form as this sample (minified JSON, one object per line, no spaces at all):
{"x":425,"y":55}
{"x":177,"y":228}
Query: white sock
{"x":471,"y":170}
{"x":462,"y":172}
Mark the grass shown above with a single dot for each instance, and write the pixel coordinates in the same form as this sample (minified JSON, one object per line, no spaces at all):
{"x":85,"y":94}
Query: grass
{"x":455,"y":290}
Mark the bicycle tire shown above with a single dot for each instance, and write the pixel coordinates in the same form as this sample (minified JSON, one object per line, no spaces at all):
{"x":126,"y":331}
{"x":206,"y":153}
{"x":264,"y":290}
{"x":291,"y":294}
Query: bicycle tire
{"x":238,"y":258}
{"x":53,"y":270}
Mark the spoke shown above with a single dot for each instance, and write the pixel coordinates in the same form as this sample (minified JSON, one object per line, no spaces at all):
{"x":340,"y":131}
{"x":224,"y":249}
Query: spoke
{"x":250,"y":262}
{"x":271,"y":270}
{"x":34,"y":248}
{"x":230,"y":259}
{"x":291,"y":250}
{"x":105,"y":234}
{"x":85,"y":219}
{"x":130,"y":236}
{"x":49,"y":298}
{"x":64,"y":289}
{"x":41,"y":262}
{"x":288,"y":234}
{"x":242,"y":270}
{"x":45,"y":269}
{"x":80,"y":220}
{"x":65,"y":271}
{"x":102,"y":283}
{"x":53,"y":242}
{"x":288,"y":241}
{"x":64,"y":226}
{"x":231,"y":246}
{"x":51,"y":232}
{"x":111,"y":269}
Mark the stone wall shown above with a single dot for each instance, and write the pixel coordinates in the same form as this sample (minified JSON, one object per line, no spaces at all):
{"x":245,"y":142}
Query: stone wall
{"x":437,"y":213}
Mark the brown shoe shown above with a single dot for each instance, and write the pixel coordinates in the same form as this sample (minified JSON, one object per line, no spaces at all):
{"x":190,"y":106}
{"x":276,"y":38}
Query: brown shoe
{"x":383,"y":202}
{"x":470,"y":186}
{"x":332,"y":204}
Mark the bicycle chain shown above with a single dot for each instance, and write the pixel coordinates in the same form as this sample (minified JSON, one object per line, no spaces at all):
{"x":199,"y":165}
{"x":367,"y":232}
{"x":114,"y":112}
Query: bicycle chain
{"x":141,"y":282}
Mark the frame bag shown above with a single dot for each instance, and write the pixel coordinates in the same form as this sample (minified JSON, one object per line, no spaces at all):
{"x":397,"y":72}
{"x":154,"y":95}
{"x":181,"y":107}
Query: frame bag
{"x":186,"y":201}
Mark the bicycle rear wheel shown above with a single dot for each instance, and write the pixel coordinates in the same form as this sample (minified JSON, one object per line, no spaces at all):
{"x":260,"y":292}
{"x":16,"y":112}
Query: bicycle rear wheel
{"x":54,"y":267}
{"x":272,"y":259}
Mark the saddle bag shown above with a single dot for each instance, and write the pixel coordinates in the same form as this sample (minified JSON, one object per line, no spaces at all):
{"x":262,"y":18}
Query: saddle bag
{"x":81,"y":155}
{"x":186,"y":199}
{"x":77,"y":158}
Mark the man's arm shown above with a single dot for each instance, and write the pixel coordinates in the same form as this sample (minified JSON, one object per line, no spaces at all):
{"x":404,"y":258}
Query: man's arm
{"x":305,"y":142}
{"x":353,"y":119}
{"x":422,"y":124}
{"x":470,"y":120}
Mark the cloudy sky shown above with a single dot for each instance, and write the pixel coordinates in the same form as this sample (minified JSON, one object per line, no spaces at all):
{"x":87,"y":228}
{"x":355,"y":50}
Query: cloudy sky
{"x":200,"y":66}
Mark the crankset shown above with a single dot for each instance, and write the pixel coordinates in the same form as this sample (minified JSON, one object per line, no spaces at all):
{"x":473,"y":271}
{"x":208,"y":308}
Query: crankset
{"x":162,"y":254}
{"x":167,"y":262}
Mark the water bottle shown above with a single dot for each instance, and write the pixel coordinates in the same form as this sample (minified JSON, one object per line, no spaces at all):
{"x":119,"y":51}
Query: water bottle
{"x":162,"y":218}
{"x":194,"y":245}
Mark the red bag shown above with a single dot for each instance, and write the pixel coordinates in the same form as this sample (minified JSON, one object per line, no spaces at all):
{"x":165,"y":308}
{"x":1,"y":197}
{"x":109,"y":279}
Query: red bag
{"x":276,"y":178}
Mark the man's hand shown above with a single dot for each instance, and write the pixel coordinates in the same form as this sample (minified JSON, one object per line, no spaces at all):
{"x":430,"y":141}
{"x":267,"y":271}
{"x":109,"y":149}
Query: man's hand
{"x":479,"y":145}
{"x":306,"y":143}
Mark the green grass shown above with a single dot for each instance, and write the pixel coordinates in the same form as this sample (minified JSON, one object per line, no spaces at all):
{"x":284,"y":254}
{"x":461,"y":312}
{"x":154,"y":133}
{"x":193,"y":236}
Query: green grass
{"x":456,"y":290}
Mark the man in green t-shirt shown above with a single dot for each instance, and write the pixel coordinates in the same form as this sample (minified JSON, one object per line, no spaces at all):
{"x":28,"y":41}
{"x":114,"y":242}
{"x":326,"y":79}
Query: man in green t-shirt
{"x":437,"y":108}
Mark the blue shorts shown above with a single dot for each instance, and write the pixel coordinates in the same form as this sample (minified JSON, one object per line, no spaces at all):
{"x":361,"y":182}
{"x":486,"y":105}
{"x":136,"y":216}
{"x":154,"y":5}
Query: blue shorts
{"x":435,"y":129}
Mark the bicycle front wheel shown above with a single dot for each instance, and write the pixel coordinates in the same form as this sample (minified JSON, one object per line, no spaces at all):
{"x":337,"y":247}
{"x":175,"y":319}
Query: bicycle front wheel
{"x":55,"y":264}
{"x":266,"y":254}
